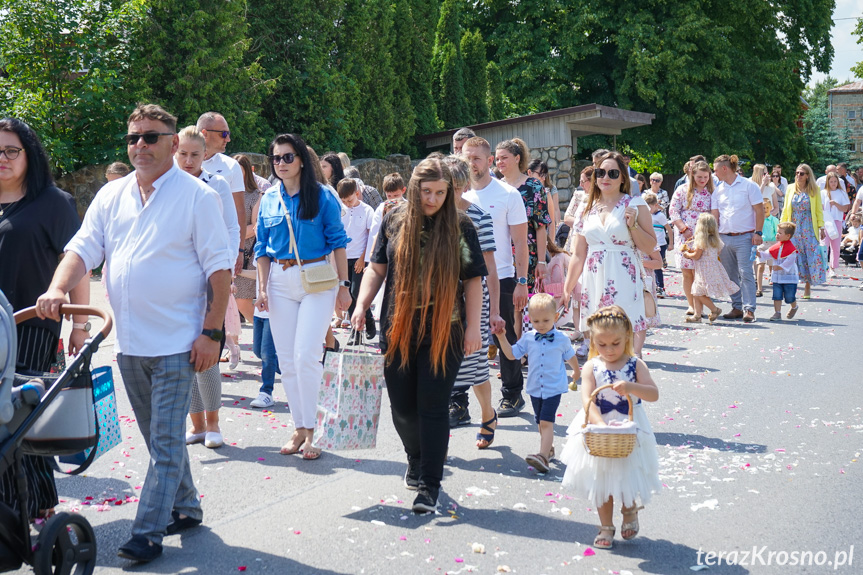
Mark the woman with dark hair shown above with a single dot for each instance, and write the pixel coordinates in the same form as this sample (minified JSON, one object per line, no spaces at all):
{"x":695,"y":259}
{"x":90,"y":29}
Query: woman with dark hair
{"x":611,"y":228}
{"x":332,"y":168}
{"x":245,"y":294}
{"x":430,"y":255}
{"x":299,"y":319}
{"x":37,"y":220}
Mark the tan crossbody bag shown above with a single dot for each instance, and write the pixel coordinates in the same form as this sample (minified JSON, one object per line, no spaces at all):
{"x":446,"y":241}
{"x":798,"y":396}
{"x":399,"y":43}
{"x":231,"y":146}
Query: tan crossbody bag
{"x":315,"y":279}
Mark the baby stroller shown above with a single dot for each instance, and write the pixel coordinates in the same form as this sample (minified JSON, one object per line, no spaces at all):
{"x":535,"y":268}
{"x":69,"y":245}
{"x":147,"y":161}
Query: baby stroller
{"x":66,"y":544}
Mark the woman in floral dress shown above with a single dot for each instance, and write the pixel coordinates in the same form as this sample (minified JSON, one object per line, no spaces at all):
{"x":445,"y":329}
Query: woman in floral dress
{"x":803,"y":207}
{"x":687,"y":203}
{"x":512,"y":158}
{"x":612,"y":230}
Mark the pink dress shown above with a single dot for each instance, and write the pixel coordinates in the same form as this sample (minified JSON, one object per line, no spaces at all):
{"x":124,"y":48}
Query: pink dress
{"x":711,"y":280}
{"x":678,"y":211}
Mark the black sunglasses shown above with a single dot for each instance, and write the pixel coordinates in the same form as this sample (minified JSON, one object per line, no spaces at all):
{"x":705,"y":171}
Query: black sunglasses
{"x":286,"y":158}
{"x":600,"y":173}
{"x":222,"y":133}
{"x":149,"y":138}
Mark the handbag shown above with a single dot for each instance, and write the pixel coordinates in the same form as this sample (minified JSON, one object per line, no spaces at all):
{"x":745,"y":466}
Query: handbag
{"x":68,"y":424}
{"x":315,"y":279}
{"x":349,"y":400}
{"x":107,"y":421}
{"x":647,"y":295}
{"x":830,"y":228}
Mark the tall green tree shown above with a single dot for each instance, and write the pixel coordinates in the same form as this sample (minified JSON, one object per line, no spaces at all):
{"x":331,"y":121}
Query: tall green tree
{"x":404,"y":114}
{"x":447,"y":67}
{"x":66,"y":66}
{"x":192,"y":58}
{"x":420,"y":44}
{"x":494,"y":92}
{"x":475,"y":77}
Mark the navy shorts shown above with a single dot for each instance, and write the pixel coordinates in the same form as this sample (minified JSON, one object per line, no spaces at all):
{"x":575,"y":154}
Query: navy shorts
{"x":545,"y":409}
{"x":788,"y":292}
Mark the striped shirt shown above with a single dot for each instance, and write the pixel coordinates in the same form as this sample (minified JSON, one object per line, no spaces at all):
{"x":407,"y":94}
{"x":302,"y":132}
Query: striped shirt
{"x":484,"y":227}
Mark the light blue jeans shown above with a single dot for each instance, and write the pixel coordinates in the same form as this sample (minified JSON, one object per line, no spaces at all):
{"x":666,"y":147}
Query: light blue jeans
{"x":735,"y":260}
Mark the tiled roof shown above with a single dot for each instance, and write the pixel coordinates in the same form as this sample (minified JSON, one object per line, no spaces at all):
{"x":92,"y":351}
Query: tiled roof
{"x":852,"y":88}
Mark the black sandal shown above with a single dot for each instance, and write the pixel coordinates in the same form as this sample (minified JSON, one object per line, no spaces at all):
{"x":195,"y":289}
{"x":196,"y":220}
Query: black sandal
{"x":488,"y":437}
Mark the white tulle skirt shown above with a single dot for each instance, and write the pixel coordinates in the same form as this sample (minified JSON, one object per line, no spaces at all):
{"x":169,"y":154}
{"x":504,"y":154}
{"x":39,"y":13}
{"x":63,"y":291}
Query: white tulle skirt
{"x":628,"y":480}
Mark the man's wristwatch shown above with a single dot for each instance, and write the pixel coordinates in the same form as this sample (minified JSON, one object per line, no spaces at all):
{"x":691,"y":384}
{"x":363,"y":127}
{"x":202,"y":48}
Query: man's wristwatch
{"x":522,"y":281}
{"x":82,"y":326}
{"x":345,"y":283}
{"x":214,"y":334}
{"x":760,"y":233}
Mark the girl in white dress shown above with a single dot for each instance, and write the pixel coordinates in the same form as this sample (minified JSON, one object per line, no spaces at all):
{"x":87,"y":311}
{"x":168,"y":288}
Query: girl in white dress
{"x":601,"y":480}
{"x":611,"y":228}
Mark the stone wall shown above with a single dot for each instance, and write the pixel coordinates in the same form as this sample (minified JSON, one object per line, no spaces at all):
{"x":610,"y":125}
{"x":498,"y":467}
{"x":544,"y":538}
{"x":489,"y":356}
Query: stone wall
{"x":372,"y":171}
{"x":560,"y":170}
{"x":83,"y":185}
{"x":840,"y":104}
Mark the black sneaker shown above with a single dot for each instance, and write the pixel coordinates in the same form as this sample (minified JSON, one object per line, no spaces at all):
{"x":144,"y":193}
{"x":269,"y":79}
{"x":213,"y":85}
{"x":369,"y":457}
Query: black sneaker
{"x":178,"y":524}
{"x":509,"y":407}
{"x":138,"y":549}
{"x":426,"y":500}
{"x":458,"y":414}
{"x":371,"y":329}
{"x":412,"y":474}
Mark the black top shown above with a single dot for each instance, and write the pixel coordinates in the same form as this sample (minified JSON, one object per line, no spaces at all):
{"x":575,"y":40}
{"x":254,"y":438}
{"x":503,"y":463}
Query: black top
{"x":473,"y":265}
{"x":33,"y":233}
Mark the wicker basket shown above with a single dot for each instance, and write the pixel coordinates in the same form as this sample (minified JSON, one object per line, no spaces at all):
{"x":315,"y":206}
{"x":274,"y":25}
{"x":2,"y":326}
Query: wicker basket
{"x":601,"y":444}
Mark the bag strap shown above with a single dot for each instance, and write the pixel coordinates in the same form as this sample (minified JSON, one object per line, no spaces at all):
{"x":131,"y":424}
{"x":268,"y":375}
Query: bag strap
{"x":91,"y":457}
{"x":291,"y":230}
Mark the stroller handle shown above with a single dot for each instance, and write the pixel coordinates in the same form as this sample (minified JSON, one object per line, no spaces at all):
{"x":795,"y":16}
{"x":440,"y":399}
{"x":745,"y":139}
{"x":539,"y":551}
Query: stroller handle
{"x":30,"y":313}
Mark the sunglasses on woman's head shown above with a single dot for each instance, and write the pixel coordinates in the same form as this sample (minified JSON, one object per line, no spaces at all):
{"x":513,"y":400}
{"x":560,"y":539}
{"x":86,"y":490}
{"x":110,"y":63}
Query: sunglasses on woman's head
{"x":286,"y":158}
{"x":600,"y":173}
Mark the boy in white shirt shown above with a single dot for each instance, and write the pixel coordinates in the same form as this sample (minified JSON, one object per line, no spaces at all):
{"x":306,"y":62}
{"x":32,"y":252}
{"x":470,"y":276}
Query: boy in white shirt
{"x":785,"y":276}
{"x":357,"y":222}
{"x":394,"y":188}
{"x":660,"y":228}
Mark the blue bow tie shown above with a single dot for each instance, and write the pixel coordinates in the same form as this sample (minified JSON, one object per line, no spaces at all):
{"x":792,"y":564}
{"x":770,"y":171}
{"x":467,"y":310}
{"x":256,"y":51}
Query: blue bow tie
{"x":606,"y":406}
{"x":549,"y":336}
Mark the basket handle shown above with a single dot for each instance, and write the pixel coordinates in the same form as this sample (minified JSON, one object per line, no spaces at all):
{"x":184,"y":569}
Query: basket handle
{"x":593,"y":396}
{"x":30,"y":313}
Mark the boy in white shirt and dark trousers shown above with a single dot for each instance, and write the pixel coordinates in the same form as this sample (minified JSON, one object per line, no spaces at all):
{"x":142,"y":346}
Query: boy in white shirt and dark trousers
{"x":785,"y":276}
{"x":357,"y":222}
{"x":660,"y":228}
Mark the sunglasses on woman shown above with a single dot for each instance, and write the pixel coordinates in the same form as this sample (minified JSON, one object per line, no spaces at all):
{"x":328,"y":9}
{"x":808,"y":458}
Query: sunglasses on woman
{"x":600,"y":173}
{"x":800,"y":174}
{"x":286,"y":158}
{"x":149,"y":138}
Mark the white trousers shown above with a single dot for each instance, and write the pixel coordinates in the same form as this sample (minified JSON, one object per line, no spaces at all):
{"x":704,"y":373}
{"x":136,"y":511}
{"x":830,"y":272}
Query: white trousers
{"x":299,"y":321}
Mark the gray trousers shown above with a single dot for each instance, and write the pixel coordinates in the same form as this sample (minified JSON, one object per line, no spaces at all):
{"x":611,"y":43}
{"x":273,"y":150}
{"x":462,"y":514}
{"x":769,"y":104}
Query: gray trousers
{"x":160,"y":390}
{"x":738,"y":266}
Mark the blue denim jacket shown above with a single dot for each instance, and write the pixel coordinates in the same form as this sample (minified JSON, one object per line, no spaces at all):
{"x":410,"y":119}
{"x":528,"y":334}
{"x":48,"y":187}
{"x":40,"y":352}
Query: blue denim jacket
{"x":316,"y":237}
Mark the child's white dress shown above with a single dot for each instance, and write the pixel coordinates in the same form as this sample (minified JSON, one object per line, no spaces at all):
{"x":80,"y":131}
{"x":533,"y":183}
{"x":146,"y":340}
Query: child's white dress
{"x":627,"y":479}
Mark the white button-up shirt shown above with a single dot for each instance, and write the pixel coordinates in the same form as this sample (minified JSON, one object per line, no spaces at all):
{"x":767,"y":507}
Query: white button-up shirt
{"x":158,"y":255}
{"x":229,"y":209}
{"x":735,"y":205}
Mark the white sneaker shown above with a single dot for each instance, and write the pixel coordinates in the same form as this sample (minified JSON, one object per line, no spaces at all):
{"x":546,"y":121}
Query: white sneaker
{"x":263,"y":400}
{"x":583,"y":349}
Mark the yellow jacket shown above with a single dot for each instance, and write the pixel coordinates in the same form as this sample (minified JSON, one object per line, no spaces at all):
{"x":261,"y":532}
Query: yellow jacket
{"x":814,"y":207}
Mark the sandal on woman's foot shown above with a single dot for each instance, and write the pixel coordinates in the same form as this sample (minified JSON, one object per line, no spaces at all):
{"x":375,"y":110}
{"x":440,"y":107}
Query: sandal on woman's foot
{"x":631,"y":525}
{"x":538,"y":462}
{"x":487,"y":437}
{"x":692,"y":319}
{"x":311,"y":453}
{"x":604,"y":541}
{"x":293,"y":446}
{"x":690,"y":311}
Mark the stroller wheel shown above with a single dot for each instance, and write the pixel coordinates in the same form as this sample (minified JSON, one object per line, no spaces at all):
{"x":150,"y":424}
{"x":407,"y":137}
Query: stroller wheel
{"x":66,"y":544}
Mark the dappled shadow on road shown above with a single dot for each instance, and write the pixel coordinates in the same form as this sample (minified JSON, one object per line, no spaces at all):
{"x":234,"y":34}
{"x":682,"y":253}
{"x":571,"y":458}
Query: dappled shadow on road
{"x":667,"y":558}
{"x":678,"y":368}
{"x":701,"y":442}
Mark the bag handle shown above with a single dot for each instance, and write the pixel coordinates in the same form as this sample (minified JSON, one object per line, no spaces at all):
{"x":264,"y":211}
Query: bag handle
{"x":593,"y":397}
{"x":290,"y":230}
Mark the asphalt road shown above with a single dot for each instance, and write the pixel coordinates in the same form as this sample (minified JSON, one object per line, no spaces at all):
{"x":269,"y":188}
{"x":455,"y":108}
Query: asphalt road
{"x":760,"y":429}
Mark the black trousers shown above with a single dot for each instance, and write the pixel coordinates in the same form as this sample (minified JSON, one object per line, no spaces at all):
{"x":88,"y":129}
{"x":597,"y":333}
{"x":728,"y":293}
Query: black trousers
{"x":356,"y":280}
{"x":511,"y":376}
{"x":419,"y":401}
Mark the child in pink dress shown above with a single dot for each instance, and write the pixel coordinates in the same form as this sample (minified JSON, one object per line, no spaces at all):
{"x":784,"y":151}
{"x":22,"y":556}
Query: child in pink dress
{"x":711,"y":280}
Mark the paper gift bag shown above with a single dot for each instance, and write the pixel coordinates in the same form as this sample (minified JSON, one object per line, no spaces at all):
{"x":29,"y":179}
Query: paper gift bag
{"x":349,"y":401}
{"x":105,"y":405}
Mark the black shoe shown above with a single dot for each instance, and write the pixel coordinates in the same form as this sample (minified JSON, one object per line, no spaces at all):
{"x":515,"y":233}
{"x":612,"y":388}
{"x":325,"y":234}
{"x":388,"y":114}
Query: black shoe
{"x":371,"y":329}
{"x":509,"y":407}
{"x":426,"y":500}
{"x":412,"y":474}
{"x":458,"y":414}
{"x":139,"y":549}
{"x":178,"y":524}
{"x":357,"y":339}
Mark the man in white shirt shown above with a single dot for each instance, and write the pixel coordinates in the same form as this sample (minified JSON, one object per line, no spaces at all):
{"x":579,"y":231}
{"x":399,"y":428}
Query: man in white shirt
{"x":509,"y":218}
{"x":822,"y":181}
{"x":215,"y":129}
{"x":168,"y":280}
{"x":737,"y":206}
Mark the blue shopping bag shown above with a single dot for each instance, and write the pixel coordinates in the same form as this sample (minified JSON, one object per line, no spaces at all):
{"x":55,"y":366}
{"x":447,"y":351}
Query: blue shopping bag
{"x":107,"y":421}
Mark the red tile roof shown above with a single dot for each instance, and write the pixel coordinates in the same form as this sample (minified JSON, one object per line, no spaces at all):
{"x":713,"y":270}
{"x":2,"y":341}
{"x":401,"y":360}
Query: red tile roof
{"x":852,"y":88}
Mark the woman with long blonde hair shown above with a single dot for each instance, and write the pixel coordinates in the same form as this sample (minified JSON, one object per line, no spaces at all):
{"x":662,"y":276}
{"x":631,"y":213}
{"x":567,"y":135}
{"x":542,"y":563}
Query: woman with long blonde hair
{"x":803,"y":207}
{"x":687,"y":203}
{"x":430,"y":256}
{"x":835,"y":203}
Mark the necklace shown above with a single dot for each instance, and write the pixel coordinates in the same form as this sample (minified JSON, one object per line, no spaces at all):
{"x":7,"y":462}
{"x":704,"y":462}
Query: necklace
{"x":6,"y":206}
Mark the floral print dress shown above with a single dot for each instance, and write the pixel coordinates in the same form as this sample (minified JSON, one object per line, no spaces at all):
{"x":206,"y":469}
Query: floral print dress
{"x":611,"y":275}
{"x":536,"y":206}
{"x":678,"y":211}
{"x":810,"y":260}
